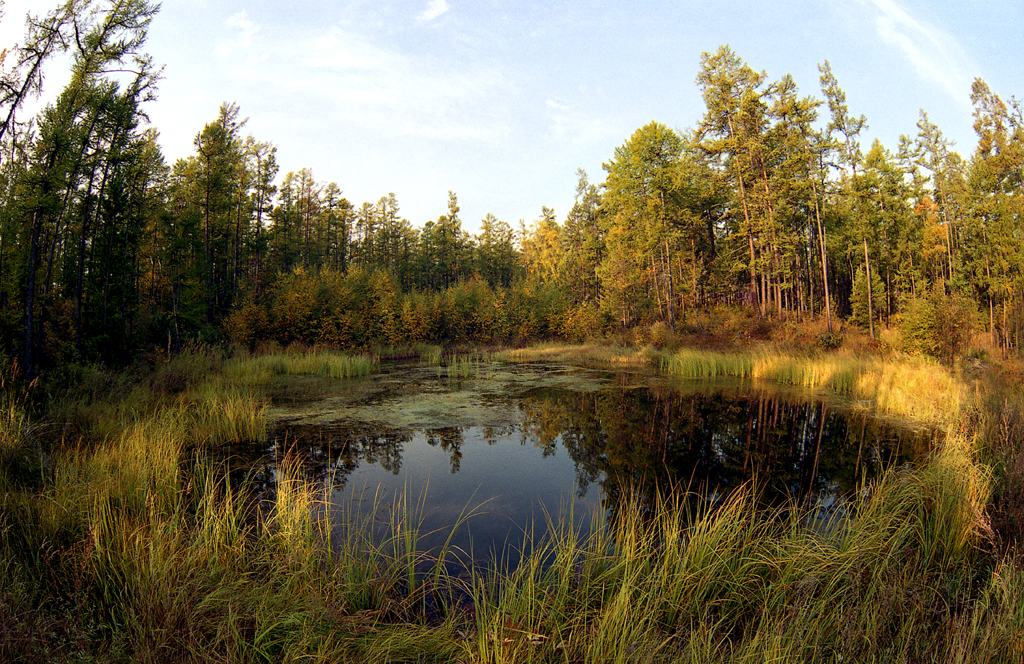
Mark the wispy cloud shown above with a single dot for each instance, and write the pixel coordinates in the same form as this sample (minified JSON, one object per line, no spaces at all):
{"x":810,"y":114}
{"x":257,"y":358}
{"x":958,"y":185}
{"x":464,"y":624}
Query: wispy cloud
{"x":934,"y":53}
{"x":434,"y":9}
{"x":244,"y":30}
{"x":360,"y":81}
{"x":568,"y":123}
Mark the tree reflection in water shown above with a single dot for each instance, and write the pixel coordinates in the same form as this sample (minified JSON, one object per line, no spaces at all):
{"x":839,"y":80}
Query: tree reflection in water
{"x":651,"y":441}
{"x":622,"y":439}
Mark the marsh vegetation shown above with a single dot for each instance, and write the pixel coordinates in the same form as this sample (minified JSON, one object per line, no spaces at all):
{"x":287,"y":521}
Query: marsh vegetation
{"x":127,"y":537}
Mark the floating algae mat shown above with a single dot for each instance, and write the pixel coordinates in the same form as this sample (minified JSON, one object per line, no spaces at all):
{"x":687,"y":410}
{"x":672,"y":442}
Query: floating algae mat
{"x":517,"y":443}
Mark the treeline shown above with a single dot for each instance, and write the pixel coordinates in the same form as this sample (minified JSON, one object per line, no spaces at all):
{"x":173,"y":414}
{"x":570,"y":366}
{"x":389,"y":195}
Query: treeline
{"x":769,"y":202}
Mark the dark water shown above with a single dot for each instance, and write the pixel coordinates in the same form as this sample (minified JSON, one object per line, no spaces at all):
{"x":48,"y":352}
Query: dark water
{"x":519,"y":442}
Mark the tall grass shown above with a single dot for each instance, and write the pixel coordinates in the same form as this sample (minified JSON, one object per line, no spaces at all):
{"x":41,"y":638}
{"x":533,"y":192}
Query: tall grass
{"x":219,"y":413}
{"x":588,"y":354}
{"x":131,"y":550}
{"x":914,"y":388}
{"x":13,"y":431}
{"x":326,"y":364}
{"x":680,"y":583}
{"x":431,"y":356}
{"x":159,"y":561}
{"x":460,"y":366}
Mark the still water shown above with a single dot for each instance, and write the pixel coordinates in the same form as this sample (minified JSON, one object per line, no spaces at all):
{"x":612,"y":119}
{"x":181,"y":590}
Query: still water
{"x":518,"y":442}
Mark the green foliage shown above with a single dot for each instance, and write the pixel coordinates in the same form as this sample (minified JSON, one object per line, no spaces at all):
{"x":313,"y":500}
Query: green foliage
{"x":362,"y":310}
{"x":937,"y":325}
{"x":106,"y":251}
{"x":582,"y":322}
{"x":859,"y":298}
{"x":830,"y":341}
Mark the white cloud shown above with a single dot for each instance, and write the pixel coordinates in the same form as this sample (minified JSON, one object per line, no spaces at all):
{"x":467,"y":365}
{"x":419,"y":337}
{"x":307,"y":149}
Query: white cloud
{"x":934,"y":53}
{"x":337,"y":50}
{"x":434,"y":9}
{"x":570,"y":124}
{"x":246,"y":30}
{"x":354,"y":80}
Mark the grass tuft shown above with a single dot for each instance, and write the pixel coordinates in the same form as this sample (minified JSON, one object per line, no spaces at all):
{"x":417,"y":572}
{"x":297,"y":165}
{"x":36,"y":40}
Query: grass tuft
{"x":326,"y":364}
{"x":913,"y":388}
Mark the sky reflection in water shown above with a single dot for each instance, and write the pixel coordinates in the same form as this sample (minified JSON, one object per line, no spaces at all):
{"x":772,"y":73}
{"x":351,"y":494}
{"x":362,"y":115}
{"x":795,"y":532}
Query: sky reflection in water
{"x":521,"y":441}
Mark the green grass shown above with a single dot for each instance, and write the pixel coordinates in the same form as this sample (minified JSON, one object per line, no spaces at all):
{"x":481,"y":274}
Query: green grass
{"x":128,"y":549}
{"x":257,"y":370}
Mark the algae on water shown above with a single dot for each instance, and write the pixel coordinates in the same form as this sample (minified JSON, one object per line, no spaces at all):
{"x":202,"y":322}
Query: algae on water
{"x":416,"y":397}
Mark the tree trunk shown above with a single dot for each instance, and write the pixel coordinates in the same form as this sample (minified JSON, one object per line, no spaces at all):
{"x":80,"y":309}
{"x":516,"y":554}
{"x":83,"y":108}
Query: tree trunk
{"x":824,"y":256}
{"x":867,"y":268}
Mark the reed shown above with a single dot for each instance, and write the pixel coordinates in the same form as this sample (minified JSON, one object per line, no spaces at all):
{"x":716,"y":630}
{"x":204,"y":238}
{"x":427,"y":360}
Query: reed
{"x":131,"y":549}
{"x":913,"y":388}
{"x":326,"y":364}
{"x":586,"y":354}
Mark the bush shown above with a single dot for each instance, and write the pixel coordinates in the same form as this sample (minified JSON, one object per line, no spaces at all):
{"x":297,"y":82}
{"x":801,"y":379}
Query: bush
{"x":937,"y":325}
{"x":830,"y":340}
{"x":582,"y":322}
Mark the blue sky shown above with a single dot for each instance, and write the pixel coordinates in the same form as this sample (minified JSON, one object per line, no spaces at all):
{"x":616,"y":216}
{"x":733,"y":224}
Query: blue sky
{"x":501,"y":102}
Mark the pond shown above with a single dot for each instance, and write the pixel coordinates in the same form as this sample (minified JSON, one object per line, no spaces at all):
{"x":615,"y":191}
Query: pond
{"x":515,"y":443}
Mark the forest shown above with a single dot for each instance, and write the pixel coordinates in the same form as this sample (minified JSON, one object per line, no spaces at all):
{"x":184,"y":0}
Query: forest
{"x":769,"y":202}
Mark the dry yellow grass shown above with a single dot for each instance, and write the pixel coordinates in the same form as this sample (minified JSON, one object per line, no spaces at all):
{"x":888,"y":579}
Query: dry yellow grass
{"x":908,"y":387}
{"x":582,"y":354}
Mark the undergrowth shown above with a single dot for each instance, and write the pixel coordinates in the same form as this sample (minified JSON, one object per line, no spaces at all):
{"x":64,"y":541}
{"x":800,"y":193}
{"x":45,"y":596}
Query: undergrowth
{"x":128,"y":549}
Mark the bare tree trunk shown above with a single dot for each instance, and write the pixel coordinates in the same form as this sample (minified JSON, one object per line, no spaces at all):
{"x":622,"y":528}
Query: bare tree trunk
{"x":750,"y":231}
{"x":824,"y":256}
{"x":671,"y":288}
{"x":871,"y":311}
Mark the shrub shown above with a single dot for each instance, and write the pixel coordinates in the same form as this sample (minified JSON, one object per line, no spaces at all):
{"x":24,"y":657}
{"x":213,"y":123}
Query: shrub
{"x":830,"y":340}
{"x":937,"y":325}
{"x":661,"y":334}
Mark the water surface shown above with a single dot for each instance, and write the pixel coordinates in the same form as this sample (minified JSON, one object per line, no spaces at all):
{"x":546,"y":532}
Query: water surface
{"x":521,"y":441}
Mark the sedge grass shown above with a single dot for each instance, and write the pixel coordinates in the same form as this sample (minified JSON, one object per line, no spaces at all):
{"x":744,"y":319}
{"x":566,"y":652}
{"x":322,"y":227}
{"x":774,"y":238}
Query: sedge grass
{"x":326,"y":364}
{"x":913,"y":388}
{"x":218,"y":413}
{"x":589,"y":354}
{"x":741,"y":584}
{"x":162,"y":562}
{"x":460,"y":366}
{"x":12,"y":420}
{"x":193,"y":571}
{"x":15,"y":460}
{"x":193,"y":575}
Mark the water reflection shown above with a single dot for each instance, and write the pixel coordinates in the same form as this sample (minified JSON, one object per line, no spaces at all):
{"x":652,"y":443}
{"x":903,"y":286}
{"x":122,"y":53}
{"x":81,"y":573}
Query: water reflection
{"x":530,"y":448}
